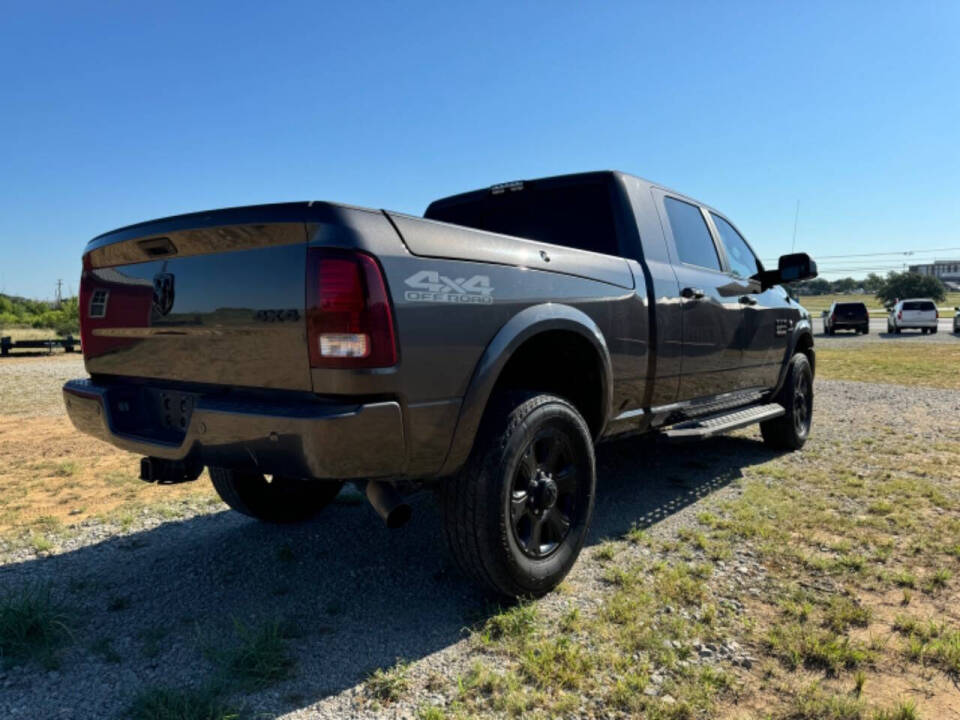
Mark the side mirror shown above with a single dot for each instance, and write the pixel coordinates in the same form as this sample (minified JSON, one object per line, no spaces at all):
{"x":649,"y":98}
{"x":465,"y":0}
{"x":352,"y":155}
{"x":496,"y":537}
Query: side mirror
{"x":790,"y":268}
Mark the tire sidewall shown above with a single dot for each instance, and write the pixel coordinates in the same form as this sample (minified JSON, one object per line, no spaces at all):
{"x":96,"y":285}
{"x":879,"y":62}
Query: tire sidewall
{"x":799,"y":367}
{"x":537,"y":576}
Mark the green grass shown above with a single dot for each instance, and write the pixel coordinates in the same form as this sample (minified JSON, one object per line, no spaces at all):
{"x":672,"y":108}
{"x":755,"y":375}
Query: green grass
{"x":33,"y":627}
{"x":158,"y":703}
{"x":389,"y":685}
{"x":926,"y":364}
{"x":260,"y":657}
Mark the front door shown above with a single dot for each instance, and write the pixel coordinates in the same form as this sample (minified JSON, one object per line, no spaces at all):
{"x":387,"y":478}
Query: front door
{"x":766,"y":315}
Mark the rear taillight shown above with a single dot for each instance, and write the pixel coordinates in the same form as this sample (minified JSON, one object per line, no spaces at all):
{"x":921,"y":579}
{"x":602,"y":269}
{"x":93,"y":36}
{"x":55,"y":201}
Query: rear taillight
{"x":936,"y":314}
{"x":349,"y":319}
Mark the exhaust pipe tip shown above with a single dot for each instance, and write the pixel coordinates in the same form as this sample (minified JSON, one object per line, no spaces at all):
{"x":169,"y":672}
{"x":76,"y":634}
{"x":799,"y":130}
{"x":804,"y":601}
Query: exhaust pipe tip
{"x":388,"y":503}
{"x":399,"y":517}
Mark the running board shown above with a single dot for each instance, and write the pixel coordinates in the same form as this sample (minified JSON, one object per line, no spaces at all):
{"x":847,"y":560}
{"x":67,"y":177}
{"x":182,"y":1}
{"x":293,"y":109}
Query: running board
{"x":702,"y":428}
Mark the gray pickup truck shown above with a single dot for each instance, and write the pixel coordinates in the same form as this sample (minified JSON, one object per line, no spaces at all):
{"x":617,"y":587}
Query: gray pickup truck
{"x":480,"y":351}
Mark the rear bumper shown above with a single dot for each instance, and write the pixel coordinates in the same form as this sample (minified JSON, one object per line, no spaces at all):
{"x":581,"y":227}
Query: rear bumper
{"x":916,"y":324}
{"x":303,"y":439}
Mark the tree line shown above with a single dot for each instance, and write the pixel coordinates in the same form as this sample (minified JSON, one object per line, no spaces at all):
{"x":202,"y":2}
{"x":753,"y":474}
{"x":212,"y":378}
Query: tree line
{"x":17,"y":312}
{"x":888,"y":290}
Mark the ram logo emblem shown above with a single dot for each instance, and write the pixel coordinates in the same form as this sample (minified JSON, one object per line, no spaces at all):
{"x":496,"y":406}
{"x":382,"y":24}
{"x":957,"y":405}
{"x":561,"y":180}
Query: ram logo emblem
{"x":163,"y":294}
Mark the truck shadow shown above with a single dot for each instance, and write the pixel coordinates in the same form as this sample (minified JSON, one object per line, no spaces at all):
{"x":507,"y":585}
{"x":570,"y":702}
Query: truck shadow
{"x":357,"y":595}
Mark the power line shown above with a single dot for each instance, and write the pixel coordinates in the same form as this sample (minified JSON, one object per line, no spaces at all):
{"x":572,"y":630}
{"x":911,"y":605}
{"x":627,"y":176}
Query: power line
{"x":906,"y":253}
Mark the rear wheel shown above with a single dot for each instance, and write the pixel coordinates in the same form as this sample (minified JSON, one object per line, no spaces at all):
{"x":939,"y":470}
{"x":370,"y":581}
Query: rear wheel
{"x":517,"y":515}
{"x":275,"y":498}
{"x":790,"y":430}
{"x":865,"y":329}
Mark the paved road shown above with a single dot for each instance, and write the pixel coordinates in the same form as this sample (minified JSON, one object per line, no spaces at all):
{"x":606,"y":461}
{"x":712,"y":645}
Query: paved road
{"x":878,"y":333}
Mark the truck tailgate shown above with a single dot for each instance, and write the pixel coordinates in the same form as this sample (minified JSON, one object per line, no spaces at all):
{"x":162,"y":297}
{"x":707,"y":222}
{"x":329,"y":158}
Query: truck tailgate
{"x":200,"y":299}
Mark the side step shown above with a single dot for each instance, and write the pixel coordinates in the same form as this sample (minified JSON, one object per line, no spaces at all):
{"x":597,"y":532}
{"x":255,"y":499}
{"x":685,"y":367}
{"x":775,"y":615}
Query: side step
{"x":702,"y":428}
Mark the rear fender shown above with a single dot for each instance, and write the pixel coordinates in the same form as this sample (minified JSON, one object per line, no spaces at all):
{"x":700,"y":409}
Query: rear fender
{"x":521,"y":327}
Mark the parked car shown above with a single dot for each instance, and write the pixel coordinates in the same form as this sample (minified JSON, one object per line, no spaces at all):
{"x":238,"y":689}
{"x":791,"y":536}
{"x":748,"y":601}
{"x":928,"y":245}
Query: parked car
{"x":956,"y":321}
{"x":917,"y":314}
{"x":846,"y":316}
{"x":480,"y":351}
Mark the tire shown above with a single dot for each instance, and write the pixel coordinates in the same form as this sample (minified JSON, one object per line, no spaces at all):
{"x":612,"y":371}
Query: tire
{"x":282,"y":499}
{"x":897,"y":330}
{"x":516,"y":516}
{"x":933,"y":331}
{"x":865,"y":330}
{"x":791,"y":430}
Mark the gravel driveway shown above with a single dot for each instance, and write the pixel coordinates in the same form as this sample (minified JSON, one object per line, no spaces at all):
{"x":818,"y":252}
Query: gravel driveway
{"x":359,"y":595}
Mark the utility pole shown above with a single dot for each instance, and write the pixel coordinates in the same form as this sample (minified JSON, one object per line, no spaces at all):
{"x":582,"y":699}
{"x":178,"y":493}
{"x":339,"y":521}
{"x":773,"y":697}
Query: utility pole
{"x":796,"y":219}
{"x":59,"y":300}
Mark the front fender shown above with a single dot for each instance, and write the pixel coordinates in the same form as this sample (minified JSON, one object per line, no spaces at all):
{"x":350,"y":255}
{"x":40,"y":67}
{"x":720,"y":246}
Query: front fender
{"x":802,"y":330}
{"x":526,"y":324}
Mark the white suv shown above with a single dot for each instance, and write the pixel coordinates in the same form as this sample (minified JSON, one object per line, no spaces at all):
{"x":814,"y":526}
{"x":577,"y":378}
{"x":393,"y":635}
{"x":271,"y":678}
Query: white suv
{"x":919,"y":314}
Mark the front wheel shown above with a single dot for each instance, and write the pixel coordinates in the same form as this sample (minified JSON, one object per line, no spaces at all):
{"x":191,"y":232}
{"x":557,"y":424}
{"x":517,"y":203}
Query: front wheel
{"x":517,"y":515}
{"x":275,"y":499}
{"x":790,"y":430}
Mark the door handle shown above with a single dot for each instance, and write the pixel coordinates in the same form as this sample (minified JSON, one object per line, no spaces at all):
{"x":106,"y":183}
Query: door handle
{"x":747,"y":300}
{"x":692,"y":293}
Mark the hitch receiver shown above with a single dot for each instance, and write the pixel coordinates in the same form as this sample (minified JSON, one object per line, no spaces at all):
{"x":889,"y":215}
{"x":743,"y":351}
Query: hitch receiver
{"x":169,"y":472}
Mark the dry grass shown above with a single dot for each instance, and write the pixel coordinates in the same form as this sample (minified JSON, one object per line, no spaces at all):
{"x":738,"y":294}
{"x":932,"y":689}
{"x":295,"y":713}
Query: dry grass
{"x":52,"y":476}
{"x":929,"y":364}
{"x":26,"y":333}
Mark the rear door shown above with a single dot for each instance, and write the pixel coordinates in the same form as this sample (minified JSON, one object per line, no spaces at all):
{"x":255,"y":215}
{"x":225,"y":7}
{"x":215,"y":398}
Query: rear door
{"x":918,"y":311}
{"x":712,"y":317}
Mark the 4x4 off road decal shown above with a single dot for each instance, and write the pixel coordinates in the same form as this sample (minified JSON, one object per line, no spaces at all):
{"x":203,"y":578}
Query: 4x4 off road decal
{"x":431,"y":286}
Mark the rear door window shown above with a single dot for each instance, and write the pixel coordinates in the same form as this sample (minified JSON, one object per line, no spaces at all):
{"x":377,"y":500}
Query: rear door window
{"x":691,"y":235}
{"x":920,"y":305}
{"x":578,"y":215}
{"x":852,"y":309}
{"x":741,"y":258}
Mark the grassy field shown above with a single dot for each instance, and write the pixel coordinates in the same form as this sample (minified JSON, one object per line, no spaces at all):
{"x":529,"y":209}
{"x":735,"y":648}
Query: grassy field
{"x":834,"y":573}
{"x":17,"y":333}
{"x":930,"y":365}
{"x":853,"y":616}
{"x":816,"y":303}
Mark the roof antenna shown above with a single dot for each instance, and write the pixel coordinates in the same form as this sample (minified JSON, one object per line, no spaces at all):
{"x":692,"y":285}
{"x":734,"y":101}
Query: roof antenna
{"x":796,"y":218}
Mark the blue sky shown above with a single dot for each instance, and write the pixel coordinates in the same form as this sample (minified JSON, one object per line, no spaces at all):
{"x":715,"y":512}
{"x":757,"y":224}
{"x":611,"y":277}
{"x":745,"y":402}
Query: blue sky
{"x":111,"y":113}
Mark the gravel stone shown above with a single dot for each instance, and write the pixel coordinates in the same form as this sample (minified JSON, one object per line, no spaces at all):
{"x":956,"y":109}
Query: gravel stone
{"x":364,"y":596}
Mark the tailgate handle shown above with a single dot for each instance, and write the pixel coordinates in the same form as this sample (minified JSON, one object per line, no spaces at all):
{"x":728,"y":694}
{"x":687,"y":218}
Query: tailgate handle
{"x":158,"y":247}
{"x":747,"y":300}
{"x":692,"y":293}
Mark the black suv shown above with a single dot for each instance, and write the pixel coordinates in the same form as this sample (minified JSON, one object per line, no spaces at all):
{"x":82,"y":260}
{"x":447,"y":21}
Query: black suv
{"x":846,"y":316}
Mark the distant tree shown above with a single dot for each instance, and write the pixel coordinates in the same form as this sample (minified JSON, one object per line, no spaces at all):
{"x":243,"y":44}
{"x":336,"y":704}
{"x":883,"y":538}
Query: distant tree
{"x":873,"y":283}
{"x":819,"y":286}
{"x":844,"y":285}
{"x":911,"y":285}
